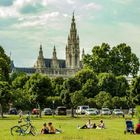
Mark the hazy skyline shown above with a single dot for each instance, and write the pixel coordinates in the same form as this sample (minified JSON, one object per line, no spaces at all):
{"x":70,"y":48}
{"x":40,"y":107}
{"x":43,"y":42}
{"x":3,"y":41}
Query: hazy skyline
{"x":24,"y":24}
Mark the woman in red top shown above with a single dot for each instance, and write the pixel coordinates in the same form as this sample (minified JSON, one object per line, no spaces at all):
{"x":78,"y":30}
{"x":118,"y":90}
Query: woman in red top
{"x":138,"y":129}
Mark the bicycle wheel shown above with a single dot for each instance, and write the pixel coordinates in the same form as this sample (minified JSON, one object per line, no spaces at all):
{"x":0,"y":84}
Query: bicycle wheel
{"x":33,"y":131}
{"x":16,"y":131}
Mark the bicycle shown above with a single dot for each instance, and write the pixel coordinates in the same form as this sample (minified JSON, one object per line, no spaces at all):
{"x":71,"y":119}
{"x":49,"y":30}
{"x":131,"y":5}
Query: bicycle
{"x":24,"y":129}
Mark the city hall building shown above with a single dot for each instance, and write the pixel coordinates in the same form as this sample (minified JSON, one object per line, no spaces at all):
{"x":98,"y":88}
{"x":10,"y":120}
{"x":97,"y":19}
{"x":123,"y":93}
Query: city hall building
{"x":54,"y":67}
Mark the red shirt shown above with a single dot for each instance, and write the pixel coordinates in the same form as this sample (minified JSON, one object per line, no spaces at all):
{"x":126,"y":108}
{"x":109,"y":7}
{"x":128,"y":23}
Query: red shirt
{"x":138,"y":128}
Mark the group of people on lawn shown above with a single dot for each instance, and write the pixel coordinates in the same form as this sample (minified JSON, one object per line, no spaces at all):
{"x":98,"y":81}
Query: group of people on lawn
{"x":50,"y":129}
{"x":90,"y":125}
{"x":46,"y":129}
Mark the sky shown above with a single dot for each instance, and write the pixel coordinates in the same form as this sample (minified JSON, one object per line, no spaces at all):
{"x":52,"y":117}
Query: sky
{"x":25,"y":24}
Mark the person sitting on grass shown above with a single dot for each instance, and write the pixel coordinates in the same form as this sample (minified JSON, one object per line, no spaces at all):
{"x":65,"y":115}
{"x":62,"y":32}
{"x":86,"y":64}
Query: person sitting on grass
{"x":137,"y":131}
{"x":53,"y":130}
{"x":28,"y":117}
{"x":101,"y":125}
{"x":45,"y":129}
{"x":20,"y":117}
{"x":88,"y":125}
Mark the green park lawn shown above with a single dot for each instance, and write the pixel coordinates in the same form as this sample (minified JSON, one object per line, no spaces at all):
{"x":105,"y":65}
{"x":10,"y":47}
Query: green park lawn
{"x":114,"y":129}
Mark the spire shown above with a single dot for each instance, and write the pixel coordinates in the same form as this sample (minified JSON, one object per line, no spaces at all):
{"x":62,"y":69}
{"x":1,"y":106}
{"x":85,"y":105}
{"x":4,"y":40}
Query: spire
{"x":83,"y":53}
{"x":41,"y":52}
{"x":41,"y":46}
{"x":40,"y":61}
{"x":54,"y":63}
{"x":54,"y":53}
{"x":72,"y":48}
{"x":54,"y":49}
{"x":73,"y":25}
{"x":73,"y":18}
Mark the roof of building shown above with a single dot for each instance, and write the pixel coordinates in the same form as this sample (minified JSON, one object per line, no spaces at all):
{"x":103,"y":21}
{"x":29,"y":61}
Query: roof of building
{"x":60,"y":61}
{"x":25,"y":70}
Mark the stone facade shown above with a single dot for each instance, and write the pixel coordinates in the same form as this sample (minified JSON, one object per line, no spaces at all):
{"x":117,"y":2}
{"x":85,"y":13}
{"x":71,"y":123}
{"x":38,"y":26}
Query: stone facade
{"x":58,"y":67}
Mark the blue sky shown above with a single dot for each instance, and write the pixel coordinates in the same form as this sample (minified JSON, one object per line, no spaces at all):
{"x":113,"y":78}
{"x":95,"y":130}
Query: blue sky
{"x":24,"y":24}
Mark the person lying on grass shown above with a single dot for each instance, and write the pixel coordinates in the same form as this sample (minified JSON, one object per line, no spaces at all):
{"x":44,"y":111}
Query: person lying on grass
{"x":88,"y":125}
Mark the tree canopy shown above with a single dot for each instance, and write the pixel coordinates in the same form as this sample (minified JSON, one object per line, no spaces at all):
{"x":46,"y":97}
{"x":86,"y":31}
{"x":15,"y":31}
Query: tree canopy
{"x":119,"y":60}
{"x":5,"y":95}
{"x":39,"y":87}
{"x":4,"y":65}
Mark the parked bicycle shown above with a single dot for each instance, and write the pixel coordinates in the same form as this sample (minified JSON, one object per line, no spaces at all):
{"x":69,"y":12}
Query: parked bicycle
{"x":24,"y":129}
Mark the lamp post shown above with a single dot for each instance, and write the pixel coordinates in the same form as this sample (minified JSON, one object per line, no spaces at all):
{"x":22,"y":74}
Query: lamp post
{"x":53,"y":107}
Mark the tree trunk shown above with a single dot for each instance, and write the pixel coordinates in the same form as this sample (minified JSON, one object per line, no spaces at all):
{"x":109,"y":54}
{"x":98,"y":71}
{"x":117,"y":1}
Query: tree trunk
{"x":1,"y":110}
{"x":40,"y":113}
{"x":132,"y":112}
{"x":72,"y":112}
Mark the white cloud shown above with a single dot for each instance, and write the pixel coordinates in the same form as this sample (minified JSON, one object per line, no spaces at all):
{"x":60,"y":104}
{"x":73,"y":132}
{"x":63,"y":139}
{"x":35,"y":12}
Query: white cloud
{"x":30,"y":21}
{"x":44,"y":2}
{"x":123,"y":1}
{"x":8,"y":12}
{"x":93,"y":6}
{"x":22,"y":3}
{"x":70,"y":1}
{"x":66,"y":15}
{"x":13,"y":10}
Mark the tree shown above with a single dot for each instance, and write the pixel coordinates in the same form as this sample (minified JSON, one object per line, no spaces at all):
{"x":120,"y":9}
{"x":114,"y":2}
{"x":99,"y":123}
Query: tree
{"x":21,"y":99}
{"x":123,"y":61}
{"x":66,"y":98}
{"x":131,"y":101}
{"x":90,"y":89}
{"x":99,"y":60}
{"x":70,"y":86}
{"x":20,"y":81}
{"x":84,"y":75}
{"x":122,"y":86}
{"x":38,"y":87}
{"x":57,"y":84}
{"x":119,"y":60}
{"x":116,"y":102}
{"x":135,"y":86}
{"x":53,"y":101}
{"x":16,"y":74}
{"x":133,"y":96}
{"x":91,"y":102}
{"x":103,"y":99}
{"x":108,"y":83}
{"x":77,"y":98}
{"x":4,"y":65}
{"x":5,"y":95}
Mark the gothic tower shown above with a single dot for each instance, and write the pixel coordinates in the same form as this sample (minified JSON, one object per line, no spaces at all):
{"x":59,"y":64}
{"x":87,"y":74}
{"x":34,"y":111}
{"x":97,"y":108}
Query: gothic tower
{"x":72,"y":47}
{"x":40,"y":64}
{"x":54,"y":63}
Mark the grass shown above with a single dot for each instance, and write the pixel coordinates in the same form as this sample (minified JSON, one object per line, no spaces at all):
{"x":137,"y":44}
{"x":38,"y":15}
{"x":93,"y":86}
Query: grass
{"x":114,"y":129}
